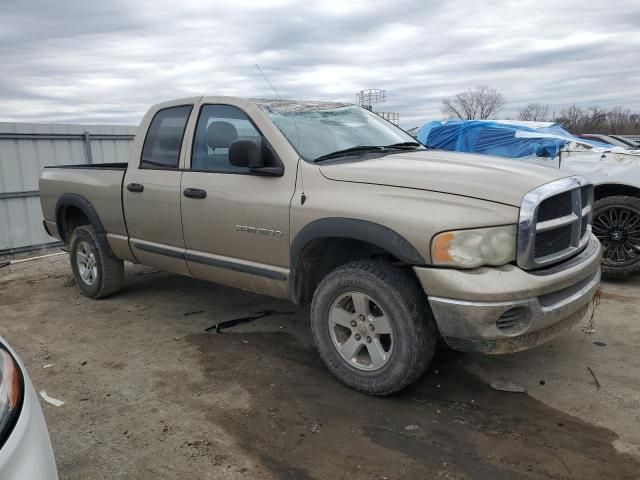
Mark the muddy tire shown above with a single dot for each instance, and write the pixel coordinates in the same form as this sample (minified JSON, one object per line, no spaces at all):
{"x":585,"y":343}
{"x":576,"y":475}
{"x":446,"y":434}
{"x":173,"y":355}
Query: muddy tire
{"x":616,"y":223}
{"x":373,"y":327}
{"x":98,"y":273}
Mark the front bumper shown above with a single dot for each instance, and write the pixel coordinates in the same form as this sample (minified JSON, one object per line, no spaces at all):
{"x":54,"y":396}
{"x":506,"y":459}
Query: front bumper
{"x":506,"y":309}
{"x":27,"y":453}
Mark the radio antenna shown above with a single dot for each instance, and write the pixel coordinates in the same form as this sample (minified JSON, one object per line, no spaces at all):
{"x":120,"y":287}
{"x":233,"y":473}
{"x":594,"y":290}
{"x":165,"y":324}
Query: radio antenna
{"x":267,"y":80}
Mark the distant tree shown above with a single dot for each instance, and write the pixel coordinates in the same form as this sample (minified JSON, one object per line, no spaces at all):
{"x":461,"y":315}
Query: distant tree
{"x":571,"y":118}
{"x":535,"y":112}
{"x":620,"y":120}
{"x":481,"y":102}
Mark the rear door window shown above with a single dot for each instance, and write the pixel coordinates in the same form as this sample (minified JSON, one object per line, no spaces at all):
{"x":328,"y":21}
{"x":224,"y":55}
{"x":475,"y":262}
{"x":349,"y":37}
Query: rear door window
{"x":163,"y":143}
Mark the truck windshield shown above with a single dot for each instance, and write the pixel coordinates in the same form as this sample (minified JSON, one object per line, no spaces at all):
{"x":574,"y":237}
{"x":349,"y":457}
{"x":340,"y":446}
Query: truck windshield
{"x":317,"y":130}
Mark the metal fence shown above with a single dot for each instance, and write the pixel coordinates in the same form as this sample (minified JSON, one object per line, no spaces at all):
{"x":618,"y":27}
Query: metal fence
{"x":25,"y":149}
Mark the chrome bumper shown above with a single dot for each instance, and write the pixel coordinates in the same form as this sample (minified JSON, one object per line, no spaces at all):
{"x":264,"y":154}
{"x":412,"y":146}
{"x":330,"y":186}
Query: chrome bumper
{"x":523,"y":318}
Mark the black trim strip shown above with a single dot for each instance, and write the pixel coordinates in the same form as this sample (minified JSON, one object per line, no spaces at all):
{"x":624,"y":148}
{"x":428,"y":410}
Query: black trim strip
{"x":237,"y":267}
{"x":159,"y":250}
{"x":228,"y":265}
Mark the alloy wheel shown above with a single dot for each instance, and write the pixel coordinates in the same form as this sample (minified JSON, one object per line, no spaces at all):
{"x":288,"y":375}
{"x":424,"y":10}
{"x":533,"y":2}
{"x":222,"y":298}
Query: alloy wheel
{"x":86,"y":263}
{"x":361,"y":331}
{"x":618,"y":229}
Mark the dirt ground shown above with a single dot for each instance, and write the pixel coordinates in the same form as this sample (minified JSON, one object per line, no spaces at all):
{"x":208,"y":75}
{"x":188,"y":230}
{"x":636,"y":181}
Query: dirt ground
{"x":152,"y":394}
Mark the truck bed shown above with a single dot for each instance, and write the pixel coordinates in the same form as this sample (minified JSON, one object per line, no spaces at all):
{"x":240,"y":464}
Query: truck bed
{"x":99,"y":184}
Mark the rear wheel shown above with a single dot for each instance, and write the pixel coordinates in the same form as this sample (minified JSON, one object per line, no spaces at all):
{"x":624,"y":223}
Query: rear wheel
{"x":616,"y":223}
{"x":373,"y":327}
{"x":97,"y":271}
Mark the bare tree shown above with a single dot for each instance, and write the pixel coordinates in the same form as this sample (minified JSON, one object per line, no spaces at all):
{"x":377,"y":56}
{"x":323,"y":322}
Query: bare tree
{"x":595,"y":119}
{"x":535,"y":112}
{"x":481,"y":103}
{"x":619,"y":120}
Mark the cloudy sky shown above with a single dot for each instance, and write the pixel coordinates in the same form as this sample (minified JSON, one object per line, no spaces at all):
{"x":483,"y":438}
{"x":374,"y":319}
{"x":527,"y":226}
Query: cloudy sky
{"x":84,"y":61}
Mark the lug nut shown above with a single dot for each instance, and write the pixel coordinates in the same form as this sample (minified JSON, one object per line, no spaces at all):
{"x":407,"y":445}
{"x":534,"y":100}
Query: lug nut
{"x":371,"y":327}
{"x":358,"y":337}
{"x":368,"y":339}
{"x":353,"y":323}
{"x":362,"y":317}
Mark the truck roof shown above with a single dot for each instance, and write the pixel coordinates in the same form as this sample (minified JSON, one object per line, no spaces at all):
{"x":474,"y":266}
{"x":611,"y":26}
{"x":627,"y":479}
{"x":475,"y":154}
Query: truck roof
{"x":288,"y":106}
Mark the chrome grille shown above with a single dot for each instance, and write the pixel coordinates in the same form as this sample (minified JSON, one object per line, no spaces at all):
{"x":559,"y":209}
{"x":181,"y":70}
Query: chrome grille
{"x":555,"y":222}
{"x":554,"y":207}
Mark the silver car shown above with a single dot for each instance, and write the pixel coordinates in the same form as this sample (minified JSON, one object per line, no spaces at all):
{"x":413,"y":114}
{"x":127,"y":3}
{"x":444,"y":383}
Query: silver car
{"x":25,"y":448}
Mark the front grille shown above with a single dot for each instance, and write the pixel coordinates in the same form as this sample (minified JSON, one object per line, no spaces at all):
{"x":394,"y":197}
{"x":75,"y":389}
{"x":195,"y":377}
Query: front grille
{"x":554,"y":222}
{"x":555,"y":207}
{"x":552,"y":241}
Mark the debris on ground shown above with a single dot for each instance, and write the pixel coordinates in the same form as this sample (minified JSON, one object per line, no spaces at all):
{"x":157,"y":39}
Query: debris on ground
{"x":218,"y":327}
{"x":507,"y":387}
{"x":588,"y":330}
{"x":411,"y":428}
{"x":4,"y":264}
{"x":53,"y":401}
{"x":192,"y":313}
{"x":48,"y":365}
{"x":315,"y":427}
{"x":600,"y":344}
{"x":595,"y":379}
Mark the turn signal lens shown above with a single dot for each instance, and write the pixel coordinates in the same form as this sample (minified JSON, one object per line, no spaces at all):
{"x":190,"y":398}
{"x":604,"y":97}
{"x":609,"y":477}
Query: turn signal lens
{"x":11,"y":391}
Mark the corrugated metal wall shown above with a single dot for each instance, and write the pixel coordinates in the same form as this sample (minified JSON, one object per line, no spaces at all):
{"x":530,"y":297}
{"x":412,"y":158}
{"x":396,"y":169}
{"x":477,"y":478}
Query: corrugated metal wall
{"x":25,"y":149}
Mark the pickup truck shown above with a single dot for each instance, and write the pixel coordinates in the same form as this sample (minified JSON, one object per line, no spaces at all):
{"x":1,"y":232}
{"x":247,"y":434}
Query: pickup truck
{"x":394,"y":246}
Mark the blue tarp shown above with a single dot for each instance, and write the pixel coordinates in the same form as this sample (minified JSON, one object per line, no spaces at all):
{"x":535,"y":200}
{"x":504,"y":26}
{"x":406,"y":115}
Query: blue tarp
{"x":504,"y":139}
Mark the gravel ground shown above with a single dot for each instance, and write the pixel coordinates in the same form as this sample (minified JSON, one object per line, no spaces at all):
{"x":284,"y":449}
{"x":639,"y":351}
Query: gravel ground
{"x":152,"y":394}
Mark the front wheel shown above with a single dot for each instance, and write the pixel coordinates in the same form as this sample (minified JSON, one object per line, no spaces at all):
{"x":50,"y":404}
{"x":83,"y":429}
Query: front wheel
{"x":98,"y":273}
{"x":616,"y":223}
{"x":372,"y":326}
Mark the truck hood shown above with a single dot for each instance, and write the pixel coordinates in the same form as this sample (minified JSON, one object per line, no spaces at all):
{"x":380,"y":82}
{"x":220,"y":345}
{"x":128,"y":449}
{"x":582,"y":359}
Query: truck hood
{"x":477,"y":176}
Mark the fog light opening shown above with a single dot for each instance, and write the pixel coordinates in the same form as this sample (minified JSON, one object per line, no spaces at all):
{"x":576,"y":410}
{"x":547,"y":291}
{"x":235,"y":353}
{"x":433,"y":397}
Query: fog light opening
{"x":513,"y":321}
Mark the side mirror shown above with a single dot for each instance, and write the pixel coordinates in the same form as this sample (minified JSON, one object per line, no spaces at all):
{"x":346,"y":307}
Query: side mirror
{"x":246,"y":153}
{"x":249,"y":154}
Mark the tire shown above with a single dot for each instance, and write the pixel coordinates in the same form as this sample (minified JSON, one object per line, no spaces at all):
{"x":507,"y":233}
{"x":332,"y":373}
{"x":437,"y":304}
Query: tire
{"x":616,"y":223}
{"x":387,"y":292}
{"x":103,"y":275}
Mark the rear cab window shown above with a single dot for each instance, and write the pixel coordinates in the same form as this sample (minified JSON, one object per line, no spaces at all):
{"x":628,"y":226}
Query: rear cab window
{"x":162,"y":145}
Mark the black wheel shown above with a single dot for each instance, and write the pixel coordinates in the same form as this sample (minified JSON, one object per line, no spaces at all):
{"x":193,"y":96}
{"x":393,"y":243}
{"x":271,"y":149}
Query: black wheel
{"x":97,"y":271}
{"x":616,"y":223}
{"x":373,"y":327}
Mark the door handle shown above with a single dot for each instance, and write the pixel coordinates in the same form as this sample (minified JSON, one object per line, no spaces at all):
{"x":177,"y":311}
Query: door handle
{"x":194,"y":193}
{"x":135,"y":187}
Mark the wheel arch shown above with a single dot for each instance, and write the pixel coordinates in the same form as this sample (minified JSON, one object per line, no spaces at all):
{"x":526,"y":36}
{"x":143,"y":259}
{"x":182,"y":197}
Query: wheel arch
{"x":605,"y":190}
{"x":324,"y":244}
{"x":73,"y":210}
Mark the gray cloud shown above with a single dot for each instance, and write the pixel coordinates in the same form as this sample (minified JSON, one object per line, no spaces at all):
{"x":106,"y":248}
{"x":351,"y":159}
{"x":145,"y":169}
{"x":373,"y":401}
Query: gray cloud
{"x":79,"y":61}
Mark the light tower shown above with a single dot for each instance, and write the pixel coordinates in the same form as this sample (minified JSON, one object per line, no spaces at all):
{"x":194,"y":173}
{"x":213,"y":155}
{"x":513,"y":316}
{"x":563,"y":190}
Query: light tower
{"x":369,"y":97}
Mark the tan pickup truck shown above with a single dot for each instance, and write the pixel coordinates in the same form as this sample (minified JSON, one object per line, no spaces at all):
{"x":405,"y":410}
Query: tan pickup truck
{"x":393,"y":245}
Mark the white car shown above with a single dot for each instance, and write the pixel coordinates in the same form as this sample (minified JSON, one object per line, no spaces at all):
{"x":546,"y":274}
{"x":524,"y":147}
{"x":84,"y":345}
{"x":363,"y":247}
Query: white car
{"x":25,"y":448}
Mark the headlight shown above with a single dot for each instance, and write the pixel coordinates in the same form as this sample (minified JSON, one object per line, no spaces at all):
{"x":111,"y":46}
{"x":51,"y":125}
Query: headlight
{"x":474,"y":248}
{"x":11,"y":391}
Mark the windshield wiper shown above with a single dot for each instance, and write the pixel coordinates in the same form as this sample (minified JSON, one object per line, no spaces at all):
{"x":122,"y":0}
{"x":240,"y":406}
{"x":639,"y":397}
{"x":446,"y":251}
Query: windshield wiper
{"x":405,"y":145}
{"x":349,"y":151}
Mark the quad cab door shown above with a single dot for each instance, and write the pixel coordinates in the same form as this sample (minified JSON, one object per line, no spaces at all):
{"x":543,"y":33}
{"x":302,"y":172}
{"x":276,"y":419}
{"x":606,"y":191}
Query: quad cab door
{"x":235,"y":221}
{"x":151,"y":191}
